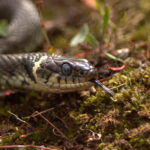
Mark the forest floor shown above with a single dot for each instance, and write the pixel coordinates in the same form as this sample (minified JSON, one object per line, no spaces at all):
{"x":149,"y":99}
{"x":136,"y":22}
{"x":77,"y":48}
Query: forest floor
{"x":119,"y":47}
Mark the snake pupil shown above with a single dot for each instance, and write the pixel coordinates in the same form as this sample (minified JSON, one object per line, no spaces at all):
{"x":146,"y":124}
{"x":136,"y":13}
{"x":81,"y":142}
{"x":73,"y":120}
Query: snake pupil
{"x":66,"y":69}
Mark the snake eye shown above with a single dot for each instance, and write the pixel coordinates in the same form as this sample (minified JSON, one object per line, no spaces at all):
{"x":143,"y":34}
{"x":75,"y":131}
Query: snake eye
{"x":66,"y":69}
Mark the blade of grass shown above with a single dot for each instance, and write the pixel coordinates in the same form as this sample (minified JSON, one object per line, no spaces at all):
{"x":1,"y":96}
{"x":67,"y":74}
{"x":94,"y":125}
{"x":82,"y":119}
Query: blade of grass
{"x":113,"y":57}
{"x":120,"y":22}
{"x":99,"y":7}
{"x":45,"y":35}
{"x":105,"y":20}
{"x":122,"y":19}
{"x":80,"y":37}
{"x":92,"y":40}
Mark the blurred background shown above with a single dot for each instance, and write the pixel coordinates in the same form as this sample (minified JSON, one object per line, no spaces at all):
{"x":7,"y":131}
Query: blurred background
{"x":127,"y":20}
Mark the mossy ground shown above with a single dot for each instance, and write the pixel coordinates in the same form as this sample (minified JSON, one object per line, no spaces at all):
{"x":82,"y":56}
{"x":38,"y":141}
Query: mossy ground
{"x":92,"y":120}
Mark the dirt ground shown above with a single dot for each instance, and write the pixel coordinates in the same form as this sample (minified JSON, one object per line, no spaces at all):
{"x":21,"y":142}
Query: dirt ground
{"x":89,"y":120}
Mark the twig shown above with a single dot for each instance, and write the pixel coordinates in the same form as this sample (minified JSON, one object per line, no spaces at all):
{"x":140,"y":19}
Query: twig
{"x":45,"y":34}
{"x":42,"y":112}
{"x":118,"y":86}
{"x":19,"y":118}
{"x":54,"y":132}
{"x":26,"y":146}
{"x":51,"y":124}
{"x":62,"y":121}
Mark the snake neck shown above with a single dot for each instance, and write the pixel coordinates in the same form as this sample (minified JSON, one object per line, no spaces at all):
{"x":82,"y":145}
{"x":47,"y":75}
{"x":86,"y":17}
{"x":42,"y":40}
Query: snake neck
{"x":24,"y":31}
{"x":17,"y":70}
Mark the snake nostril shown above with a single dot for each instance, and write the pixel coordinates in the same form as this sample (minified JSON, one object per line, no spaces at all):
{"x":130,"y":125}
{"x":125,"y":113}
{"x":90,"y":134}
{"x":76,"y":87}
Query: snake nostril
{"x":92,"y":73}
{"x":81,"y":72}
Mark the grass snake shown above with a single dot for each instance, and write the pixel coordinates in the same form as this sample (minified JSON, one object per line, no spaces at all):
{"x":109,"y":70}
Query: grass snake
{"x":37,"y":71}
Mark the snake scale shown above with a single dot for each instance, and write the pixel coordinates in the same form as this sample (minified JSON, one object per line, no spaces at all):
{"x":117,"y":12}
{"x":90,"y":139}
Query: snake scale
{"x":37,"y":71}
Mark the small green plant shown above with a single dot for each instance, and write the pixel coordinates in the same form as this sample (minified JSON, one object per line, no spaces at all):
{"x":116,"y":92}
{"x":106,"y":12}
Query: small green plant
{"x":113,"y":57}
{"x":99,"y":7}
{"x":83,"y":36}
{"x":92,"y":40}
{"x":105,"y":21}
{"x":80,"y":37}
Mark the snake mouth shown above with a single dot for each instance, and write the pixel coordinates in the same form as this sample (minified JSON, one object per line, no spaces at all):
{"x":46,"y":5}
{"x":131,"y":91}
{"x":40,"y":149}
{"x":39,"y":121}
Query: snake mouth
{"x":72,"y":83}
{"x":75,"y":86}
{"x":81,"y":86}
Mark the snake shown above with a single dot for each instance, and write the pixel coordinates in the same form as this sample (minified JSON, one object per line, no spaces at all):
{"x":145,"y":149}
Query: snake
{"x":38,"y":71}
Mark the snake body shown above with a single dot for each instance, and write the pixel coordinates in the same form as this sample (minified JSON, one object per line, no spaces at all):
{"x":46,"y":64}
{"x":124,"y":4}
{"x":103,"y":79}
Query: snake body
{"x":37,"y":71}
{"x":24,"y":31}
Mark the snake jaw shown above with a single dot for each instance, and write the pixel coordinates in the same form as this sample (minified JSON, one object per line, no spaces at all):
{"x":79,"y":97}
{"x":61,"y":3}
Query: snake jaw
{"x":71,"y":83}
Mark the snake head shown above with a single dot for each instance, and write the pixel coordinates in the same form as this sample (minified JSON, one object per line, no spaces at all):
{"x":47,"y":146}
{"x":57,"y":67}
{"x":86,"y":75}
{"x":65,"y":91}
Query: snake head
{"x":65,"y":74}
{"x":59,"y":74}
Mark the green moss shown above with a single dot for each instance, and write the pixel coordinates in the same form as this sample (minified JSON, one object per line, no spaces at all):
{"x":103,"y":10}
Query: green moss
{"x":106,"y":115}
{"x":37,"y":136}
{"x":100,"y":146}
{"x":6,"y":140}
{"x":72,"y":133}
{"x":4,"y":108}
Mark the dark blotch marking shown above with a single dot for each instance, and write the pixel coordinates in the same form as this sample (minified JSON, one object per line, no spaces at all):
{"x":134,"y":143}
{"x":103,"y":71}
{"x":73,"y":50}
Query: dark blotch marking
{"x":8,"y":83}
{"x":78,"y":80}
{"x":24,"y":82}
{"x":48,"y":76}
{"x":73,"y":79}
{"x":66,"y":80}
{"x":28,"y":64}
{"x":58,"y":79}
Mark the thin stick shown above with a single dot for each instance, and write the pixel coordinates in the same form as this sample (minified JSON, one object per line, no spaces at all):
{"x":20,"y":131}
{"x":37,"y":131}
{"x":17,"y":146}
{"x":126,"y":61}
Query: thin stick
{"x":118,"y":86}
{"x":45,"y":35}
{"x":41,"y":7}
{"x":51,"y":124}
{"x":42,"y":112}
{"x":26,"y":146}
{"x":19,"y":118}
